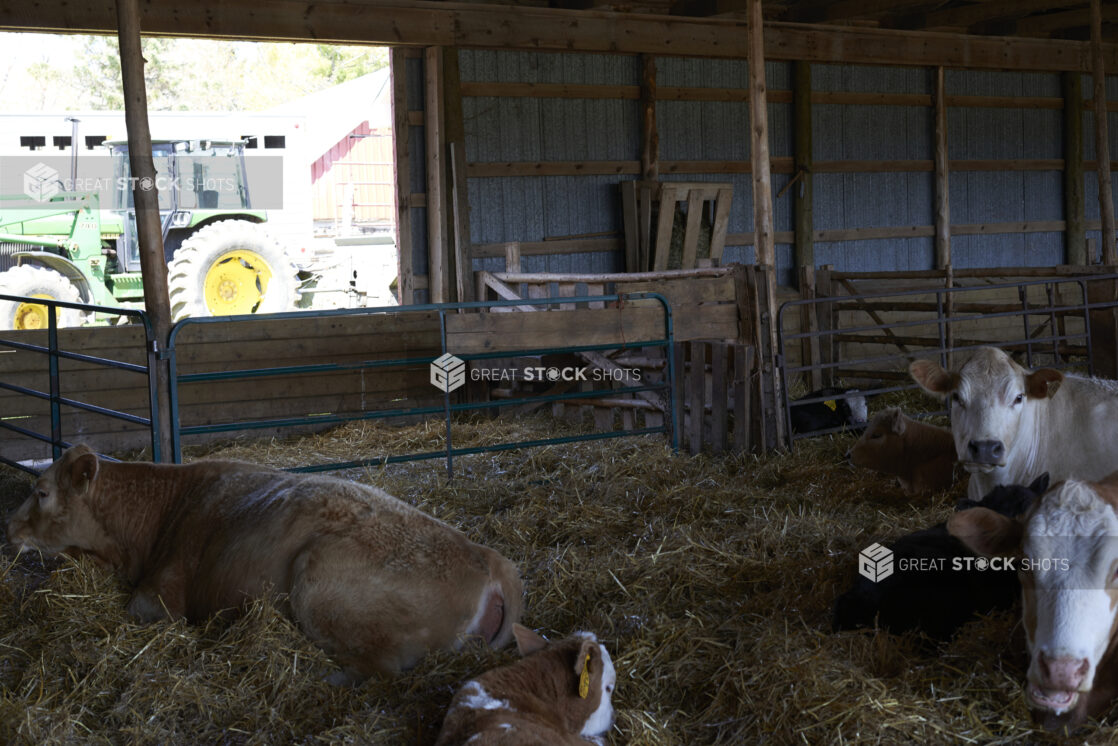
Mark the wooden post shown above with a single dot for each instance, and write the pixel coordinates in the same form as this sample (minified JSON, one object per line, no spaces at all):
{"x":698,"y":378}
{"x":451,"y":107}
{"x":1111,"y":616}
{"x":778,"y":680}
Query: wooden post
{"x":765,"y":253}
{"x":650,"y":135}
{"x":405,"y":283}
{"x":1075,"y":233}
{"x":149,"y":229}
{"x":802,"y":194}
{"x":1102,"y":146}
{"x":438,"y":262}
{"x":459,"y":264}
{"x":759,"y":142}
{"x":943,"y":207}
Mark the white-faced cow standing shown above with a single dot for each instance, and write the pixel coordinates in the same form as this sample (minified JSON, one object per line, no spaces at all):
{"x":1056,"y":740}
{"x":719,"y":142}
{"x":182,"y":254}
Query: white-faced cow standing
{"x":1011,"y":424}
{"x":1067,"y":555}
{"x":558,"y":695}
{"x":373,"y":581}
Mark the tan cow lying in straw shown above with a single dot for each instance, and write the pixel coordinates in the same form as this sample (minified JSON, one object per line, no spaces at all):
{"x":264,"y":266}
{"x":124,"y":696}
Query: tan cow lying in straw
{"x":558,"y":694}
{"x":920,"y":456}
{"x":370,"y":579}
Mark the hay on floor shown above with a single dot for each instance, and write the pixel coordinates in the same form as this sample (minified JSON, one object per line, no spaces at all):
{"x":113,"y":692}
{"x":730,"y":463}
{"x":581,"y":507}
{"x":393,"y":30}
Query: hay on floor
{"x":709,"y":578}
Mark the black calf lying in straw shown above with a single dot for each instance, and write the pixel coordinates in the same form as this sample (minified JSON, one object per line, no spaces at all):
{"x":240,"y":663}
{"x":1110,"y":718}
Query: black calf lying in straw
{"x":936,"y":585}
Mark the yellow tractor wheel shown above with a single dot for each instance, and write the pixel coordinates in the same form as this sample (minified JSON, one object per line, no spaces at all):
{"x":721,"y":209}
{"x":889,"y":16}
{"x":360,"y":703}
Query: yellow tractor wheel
{"x":31,"y":281}
{"x":230,"y":268}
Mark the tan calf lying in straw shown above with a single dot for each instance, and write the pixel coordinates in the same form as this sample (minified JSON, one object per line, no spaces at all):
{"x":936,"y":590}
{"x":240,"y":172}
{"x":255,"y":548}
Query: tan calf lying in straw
{"x":558,"y":694}
{"x":370,"y":579}
{"x":921,"y":457}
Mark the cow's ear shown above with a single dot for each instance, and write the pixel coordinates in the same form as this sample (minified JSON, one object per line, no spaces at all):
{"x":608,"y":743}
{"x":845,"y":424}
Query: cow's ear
{"x":1040,"y":484}
{"x":82,"y":471}
{"x":932,"y":377}
{"x":1043,"y":383}
{"x":588,"y":666}
{"x":527,"y":641}
{"x":986,"y":532}
{"x":896,"y":421}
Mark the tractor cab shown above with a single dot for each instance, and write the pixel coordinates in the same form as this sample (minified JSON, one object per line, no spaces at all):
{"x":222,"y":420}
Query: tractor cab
{"x":197,"y":181}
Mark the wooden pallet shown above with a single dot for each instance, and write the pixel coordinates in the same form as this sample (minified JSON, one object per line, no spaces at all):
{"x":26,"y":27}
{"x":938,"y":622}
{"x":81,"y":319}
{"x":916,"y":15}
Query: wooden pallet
{"x":648,"y":251}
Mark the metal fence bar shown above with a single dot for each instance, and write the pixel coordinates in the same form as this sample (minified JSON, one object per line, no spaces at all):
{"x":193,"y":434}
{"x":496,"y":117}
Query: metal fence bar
{"x":671,"y":422}
{"x":1056,"y":311}
{"x":55,"y":354}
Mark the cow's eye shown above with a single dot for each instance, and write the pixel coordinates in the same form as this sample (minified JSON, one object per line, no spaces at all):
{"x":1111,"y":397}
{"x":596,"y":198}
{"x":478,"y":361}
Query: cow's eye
{"x":1018,"y":399}
{"x":956,"y":399}
{"x":41,"y":494}
{"x":875,"y":436}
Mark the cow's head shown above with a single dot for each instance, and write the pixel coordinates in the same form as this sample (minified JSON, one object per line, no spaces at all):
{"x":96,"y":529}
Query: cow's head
{"x":56,"y":516}
{"x":1066,"y":551}
{"x":582,"y":676}
{"x":987,"y":397}
{"x":881,"y":445}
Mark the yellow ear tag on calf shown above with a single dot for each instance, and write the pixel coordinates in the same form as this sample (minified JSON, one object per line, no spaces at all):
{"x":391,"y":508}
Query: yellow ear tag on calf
{"x":584,"y":679}
{"x":831,"y":404}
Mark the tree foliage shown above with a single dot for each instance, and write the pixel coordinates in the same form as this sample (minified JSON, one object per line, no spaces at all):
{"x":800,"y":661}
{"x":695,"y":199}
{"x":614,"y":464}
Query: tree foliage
{"x":83,"y":72}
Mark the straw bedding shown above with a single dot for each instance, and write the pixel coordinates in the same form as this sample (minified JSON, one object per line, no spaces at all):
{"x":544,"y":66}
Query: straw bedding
{"x":709,"y":578}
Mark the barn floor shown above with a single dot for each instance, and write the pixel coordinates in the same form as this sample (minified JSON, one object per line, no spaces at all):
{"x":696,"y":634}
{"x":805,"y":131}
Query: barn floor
{"x":709,"y":578}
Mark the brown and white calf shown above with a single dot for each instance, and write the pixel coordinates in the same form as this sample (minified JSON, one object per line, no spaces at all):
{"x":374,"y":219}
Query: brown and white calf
{"x":373,"y":581}
{"x":558,"y":694}
{"x":1011,"y":424}
{"x":920,"y":456}
{"x":1066,"y":550}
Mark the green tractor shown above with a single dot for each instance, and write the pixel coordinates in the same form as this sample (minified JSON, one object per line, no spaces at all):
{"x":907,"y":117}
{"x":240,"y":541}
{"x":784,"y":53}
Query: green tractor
{"x":220,"y":260}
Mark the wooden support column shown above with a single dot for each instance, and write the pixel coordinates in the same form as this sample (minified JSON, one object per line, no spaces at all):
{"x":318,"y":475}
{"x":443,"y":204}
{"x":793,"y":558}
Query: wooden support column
{"x":1075,"y":232}
{"x":650,"y":135}
{"x":763,"y":232}
{"x":759,"y":141}
{"x":149,"y":229}
{"x":802,"y":194}
{"x":1102,"y":146}
{"x":943,"y":206}
{"x":461,"y":281}
{"x":405,"y":283}
{"x":438,"y":261}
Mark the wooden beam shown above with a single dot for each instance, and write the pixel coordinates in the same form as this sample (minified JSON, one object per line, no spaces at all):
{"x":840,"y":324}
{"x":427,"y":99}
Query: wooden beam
{"x":438,"y":264}
{"x":1102,"y":146}
{"x":1075,"y":235}
{"x":149,"y":229}
{"x":970,"y":15}
{"x":759,"y":140}
{"x":942,"y":203}
{"x":650,"y":135}
{"x":405,"y":287}
{"x":802,"y":155}
{"x":431,"y":23}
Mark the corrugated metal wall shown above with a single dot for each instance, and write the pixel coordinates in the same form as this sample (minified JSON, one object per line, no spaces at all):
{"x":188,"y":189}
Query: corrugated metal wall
{"x":533,"y":208}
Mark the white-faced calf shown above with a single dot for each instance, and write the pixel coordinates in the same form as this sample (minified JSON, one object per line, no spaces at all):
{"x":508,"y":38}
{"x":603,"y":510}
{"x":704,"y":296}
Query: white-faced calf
{"x":1066,"y":550}
{"x":920,"y":456}
{"x":559,"y":694}
{"x":370,"y":579}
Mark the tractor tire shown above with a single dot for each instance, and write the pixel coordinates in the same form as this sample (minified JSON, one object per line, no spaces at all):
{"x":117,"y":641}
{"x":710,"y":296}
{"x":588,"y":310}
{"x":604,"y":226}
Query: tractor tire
{"x":230,"y":268}
{"x":37,"y":282}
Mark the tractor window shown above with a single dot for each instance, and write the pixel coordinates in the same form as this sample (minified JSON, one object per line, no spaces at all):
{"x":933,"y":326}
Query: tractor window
{"x":122,"y":176}
{"x":212,"y":180}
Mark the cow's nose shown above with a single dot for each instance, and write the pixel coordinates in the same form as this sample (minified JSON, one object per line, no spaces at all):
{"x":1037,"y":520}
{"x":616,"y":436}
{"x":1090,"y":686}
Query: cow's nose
{"x":986,"y":451}
{"x":1065,"y":674}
